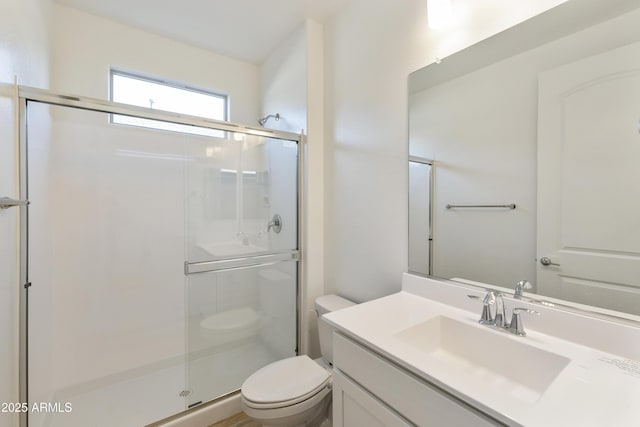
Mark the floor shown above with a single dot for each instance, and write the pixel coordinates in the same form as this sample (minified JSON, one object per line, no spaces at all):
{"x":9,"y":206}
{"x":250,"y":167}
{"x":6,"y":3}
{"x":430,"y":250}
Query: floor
{"x":242,"y":420}
{"x":238,"y":420}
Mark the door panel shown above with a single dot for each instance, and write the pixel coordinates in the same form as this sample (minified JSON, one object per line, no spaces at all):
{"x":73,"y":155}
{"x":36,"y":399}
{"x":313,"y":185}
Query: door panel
{"x":106,"y":250}
{"x":589,"y":180}
{"x":242,"y":264}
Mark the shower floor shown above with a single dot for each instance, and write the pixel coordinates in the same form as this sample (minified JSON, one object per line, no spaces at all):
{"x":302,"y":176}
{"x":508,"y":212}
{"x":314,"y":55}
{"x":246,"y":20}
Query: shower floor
{"x":153,"y":395}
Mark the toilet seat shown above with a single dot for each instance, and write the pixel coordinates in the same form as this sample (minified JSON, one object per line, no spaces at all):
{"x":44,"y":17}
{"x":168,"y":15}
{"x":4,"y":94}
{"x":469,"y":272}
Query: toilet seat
{"x":285,"y":383}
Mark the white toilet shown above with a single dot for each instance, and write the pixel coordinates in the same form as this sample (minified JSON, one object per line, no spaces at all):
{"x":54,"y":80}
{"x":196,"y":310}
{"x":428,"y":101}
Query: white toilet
{"x":296,"y":391}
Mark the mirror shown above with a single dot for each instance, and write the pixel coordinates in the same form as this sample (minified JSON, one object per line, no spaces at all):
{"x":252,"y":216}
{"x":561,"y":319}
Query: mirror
{"x":533,"y":137}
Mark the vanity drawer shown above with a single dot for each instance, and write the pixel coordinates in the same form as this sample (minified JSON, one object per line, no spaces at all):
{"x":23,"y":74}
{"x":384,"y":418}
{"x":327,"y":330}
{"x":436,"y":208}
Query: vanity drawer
{"x":413,"y":398}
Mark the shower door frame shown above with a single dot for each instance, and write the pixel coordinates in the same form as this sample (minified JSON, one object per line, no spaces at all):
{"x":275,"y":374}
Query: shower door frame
{"x":432,"y":173}
{"x":24,"y":94}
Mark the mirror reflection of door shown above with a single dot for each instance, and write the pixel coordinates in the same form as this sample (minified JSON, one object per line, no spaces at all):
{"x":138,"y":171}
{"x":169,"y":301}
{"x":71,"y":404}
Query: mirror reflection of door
{"x":420,"y":179}
{"x":589,"y":179}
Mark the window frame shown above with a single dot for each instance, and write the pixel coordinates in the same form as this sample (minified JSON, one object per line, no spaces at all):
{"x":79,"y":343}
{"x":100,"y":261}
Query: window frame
{"x":114,"y":71}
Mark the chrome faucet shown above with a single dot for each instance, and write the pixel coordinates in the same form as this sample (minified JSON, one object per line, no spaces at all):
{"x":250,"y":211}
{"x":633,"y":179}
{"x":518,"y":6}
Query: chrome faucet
{"x":498,"y":321}
{"x":521,"y":286}
{"x":486,"y":318}
{"x":515,"y":326}
{"x":499,"y":318}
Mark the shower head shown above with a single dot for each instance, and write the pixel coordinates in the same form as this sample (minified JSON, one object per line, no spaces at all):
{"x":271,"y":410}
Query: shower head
{"x":264,"y":120}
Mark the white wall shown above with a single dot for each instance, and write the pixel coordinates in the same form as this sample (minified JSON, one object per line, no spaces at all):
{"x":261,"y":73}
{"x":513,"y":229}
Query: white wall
{"x":314,"y":280}
{"x":371,"y":47}
{"x":81,"y":64}
{"x":283,"y":83}
{"x":24,"y":52}
{"x":369,"y":53}
{"x":292,"y":85}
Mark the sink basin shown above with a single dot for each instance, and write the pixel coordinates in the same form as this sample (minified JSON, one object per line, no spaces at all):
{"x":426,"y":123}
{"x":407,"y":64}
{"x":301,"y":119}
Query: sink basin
{"x":484,"y":359}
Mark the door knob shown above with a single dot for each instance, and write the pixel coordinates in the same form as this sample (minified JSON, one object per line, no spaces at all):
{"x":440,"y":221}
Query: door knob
{"x":547,"y":261}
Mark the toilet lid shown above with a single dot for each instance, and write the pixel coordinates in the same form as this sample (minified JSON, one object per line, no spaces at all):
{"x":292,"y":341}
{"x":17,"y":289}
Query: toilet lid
{"x":290,"y":380}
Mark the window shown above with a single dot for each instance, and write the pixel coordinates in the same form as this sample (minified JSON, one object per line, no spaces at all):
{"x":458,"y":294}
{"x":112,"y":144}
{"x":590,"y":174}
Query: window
{"x":132,"y":89}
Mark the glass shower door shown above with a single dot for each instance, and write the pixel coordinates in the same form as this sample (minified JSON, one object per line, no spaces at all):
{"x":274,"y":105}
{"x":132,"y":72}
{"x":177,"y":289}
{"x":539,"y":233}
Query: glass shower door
{"x":106,"y":251}
{"x":161,"y":268}
{"x":242,"y":246}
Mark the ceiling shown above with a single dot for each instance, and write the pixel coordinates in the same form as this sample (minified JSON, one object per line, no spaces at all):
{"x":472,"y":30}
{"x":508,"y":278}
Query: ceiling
{"x":244,"y":29}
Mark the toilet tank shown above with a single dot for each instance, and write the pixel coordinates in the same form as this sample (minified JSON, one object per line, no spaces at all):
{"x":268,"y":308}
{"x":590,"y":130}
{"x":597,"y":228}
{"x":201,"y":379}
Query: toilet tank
{"x":327,"y":304}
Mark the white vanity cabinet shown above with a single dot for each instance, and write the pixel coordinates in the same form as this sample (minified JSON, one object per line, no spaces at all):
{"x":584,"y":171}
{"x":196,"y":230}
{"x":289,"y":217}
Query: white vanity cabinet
{"x":354,"y":406}
{"x":369,"y":390}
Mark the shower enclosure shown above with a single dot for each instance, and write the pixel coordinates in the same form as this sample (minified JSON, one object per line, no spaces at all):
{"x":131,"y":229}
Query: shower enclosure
{"x":160,"y":268}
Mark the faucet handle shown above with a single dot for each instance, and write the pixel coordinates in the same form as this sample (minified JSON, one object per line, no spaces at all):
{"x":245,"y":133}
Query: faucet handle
{"x":515,"y":327}
{"x":486,"y":318}
{"x":275,"y":223}
{"x":499,"y":320}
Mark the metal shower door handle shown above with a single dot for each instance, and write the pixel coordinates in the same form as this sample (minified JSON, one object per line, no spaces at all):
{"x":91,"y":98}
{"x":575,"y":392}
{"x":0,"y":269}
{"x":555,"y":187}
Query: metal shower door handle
{"x":547,"y":261}
{"x":7,"y":202}
{"x":275,"y":223}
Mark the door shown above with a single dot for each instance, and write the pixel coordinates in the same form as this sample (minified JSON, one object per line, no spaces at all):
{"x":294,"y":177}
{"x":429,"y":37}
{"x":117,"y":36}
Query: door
{"x":242,"y":253}
{"x":105,"y":263}
{"x":162,"y":266}
{"x":588,"y":240}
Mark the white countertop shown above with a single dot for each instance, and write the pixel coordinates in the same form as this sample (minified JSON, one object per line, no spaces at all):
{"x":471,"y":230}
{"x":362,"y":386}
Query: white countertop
{"x":595,"y":388}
